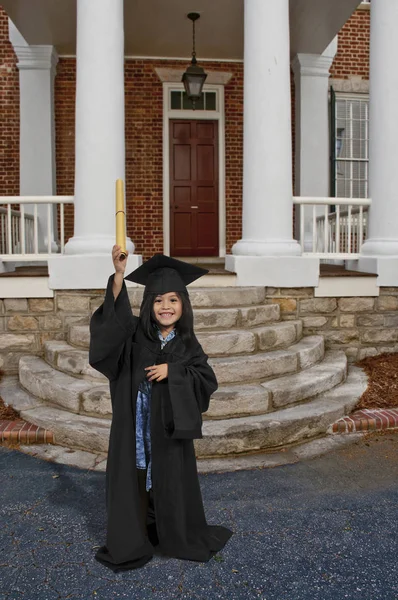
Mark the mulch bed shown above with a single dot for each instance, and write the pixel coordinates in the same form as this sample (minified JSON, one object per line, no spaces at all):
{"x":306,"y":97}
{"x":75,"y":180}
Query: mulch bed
{"x":382,"y":390}
{"x":6,"y":412}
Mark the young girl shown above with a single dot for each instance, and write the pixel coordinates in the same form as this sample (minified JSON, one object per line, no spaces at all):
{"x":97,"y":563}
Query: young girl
{"x":160,"y":384}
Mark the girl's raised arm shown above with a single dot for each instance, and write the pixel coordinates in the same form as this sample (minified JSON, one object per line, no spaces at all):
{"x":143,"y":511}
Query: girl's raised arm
{"x":111,"y":325}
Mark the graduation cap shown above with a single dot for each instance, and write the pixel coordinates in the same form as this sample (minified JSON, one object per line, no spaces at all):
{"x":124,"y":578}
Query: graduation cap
{"x":161,"y":274}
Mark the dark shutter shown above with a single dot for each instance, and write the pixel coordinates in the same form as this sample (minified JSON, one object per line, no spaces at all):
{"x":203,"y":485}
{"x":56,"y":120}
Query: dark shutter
{"x":332,"y":146}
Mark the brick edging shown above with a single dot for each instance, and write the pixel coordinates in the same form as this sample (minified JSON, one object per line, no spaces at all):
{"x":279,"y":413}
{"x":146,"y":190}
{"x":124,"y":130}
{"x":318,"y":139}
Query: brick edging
{"x":24,"y":433}
{"x":367,"y":419}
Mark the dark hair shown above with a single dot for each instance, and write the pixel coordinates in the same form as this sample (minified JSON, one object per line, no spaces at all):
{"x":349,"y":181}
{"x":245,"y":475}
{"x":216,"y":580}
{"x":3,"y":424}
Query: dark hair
{"x":184,"y":325}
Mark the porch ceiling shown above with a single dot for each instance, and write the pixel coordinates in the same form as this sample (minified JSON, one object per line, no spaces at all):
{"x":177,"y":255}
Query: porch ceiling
{"x":155,"y":28}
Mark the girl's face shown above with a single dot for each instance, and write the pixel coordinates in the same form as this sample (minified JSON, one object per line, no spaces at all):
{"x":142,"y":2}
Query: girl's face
{"x":167,"y":309}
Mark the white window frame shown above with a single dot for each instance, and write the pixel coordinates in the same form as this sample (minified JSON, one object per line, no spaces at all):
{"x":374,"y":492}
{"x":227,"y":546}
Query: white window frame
{"x":353,"y":96}
{"x":200,"y":115}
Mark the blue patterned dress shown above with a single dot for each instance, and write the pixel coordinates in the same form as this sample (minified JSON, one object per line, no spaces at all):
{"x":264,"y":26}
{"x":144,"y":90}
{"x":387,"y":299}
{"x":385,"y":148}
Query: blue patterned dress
{"x":143,"y":419}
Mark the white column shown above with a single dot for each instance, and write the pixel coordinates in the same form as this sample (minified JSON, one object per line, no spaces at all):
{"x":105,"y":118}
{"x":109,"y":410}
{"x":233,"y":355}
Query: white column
{"x":312,"y":139}
{"x":37,"y":68}
{"x":267,"y":253}
{"x":100,"y":147}
{"x":380,"y":251}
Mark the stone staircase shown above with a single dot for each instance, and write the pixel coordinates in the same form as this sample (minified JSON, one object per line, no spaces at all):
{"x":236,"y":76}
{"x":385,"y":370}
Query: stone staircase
{"x":276,"y":387}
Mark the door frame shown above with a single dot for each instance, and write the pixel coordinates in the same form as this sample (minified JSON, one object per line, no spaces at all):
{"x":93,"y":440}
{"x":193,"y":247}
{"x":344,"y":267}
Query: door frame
{"x":191,"y":115}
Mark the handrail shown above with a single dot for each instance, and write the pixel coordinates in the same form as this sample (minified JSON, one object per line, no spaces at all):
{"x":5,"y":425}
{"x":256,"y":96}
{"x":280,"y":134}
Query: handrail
{"x":20,"y":230}
{"x":37,"y":199}
{"x":338,"y":234}
{"x":332,"y":201}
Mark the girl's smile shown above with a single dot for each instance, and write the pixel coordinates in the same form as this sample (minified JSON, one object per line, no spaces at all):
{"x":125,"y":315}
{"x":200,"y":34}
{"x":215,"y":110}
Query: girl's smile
{"x":167,"y":309}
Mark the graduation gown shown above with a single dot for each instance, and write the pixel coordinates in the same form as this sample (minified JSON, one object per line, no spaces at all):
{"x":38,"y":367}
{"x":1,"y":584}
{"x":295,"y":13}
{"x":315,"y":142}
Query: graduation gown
{"x":176,"y":521}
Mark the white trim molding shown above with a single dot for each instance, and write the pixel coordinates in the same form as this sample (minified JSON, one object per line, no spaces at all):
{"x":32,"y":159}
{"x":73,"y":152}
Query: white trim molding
{"x":214,"y":115}
{"x":36,"y":57}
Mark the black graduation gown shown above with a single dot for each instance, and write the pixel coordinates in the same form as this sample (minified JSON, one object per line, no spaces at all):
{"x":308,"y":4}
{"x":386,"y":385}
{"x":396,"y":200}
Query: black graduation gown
{"x":120,"y":350}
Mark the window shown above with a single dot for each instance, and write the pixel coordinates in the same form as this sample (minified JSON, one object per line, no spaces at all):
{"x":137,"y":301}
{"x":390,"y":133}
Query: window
{"x":180,"y":101}
{"x":350,"y":146}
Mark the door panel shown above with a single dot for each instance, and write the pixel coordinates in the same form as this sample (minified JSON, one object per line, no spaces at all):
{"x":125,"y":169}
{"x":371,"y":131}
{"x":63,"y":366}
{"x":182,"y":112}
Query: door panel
{"x":182,"y":163}
{"x":194,"y":188}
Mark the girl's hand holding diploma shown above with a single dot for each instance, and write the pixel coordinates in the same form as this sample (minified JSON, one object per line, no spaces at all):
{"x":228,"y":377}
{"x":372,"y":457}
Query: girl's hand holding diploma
{"x":157,"y":372}
{"x":120,"y":265}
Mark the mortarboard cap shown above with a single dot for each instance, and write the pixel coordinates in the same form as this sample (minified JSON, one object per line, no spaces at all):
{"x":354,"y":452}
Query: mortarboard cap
{"x":161,"y":274}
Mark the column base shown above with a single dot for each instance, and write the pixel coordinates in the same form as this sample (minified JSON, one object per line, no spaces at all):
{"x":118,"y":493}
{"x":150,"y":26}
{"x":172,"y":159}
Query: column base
{"x":274,"y":271}
{"x":86,"y":272}
{"x":94,"y":245}
{"x":385,"y":267}
{"x":261,"y":248}
{"x":375,"y":248}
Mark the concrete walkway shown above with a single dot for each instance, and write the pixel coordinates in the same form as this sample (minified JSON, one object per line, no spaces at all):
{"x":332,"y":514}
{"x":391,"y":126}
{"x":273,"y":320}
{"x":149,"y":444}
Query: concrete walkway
{"x":317,"y":530}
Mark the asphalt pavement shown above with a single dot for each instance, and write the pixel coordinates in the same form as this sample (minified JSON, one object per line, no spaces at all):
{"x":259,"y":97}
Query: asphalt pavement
{"x":321,"y":529}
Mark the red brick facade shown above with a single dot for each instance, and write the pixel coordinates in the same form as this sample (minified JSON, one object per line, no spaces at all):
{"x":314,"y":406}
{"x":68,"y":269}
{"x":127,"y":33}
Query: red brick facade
{"x":9,"y":113}
{"x":352,"y":56}
{"x":144,"y":122}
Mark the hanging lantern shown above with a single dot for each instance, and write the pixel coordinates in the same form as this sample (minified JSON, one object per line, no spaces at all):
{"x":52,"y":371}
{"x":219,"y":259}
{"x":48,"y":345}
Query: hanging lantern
{"x":194,"y":77}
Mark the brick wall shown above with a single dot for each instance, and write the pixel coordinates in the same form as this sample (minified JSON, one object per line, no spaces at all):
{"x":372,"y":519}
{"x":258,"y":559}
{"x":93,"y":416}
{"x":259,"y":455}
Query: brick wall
{"x":65,"y":88}
{"x":144,"y":152}
{"x":9,"y":113}
{"x":352,"y":56}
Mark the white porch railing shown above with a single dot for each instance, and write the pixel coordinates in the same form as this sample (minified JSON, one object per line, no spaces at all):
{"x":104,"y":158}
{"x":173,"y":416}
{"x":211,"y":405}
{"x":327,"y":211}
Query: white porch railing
{"x":21,"y":231}
{"x":333,"y":235}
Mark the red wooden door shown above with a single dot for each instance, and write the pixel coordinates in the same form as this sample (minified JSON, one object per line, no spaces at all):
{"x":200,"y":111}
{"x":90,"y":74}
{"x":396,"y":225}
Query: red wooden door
{"x":194,"y":188}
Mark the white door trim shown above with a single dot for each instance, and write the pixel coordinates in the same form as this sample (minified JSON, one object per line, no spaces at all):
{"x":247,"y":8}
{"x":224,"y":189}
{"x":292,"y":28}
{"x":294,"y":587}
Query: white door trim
{"x":214,"y":115}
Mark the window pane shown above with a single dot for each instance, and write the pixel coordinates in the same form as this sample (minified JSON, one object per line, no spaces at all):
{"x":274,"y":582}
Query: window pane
{"x":210,"y":100}
{"x":187,"y":103}
{"x":175,"y":101}
{"x":351,"y":134}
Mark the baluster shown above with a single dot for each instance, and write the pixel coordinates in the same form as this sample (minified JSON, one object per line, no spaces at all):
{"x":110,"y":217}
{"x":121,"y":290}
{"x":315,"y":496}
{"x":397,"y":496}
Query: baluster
{"x":302,"y":217}
{"x":326,"y":232}
{"x":35,"y":231}
{"x":49,"y":228}
{"x":314,"y":228}
{"x":361,"y":227}
{"x":22,"y":229}
{"x":62,"y":228}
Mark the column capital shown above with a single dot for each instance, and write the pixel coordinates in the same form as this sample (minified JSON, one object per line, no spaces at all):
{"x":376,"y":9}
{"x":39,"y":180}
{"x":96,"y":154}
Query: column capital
{"x":315,"y":65}
{"x":36,"y":57}
{"x":311,"y":65}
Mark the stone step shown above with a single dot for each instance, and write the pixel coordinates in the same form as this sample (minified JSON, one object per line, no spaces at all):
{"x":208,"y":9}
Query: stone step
{"x":215,"y":297}
{"x":44,"y":383}
{"x":241,"y":341}
{"x":75,"y":431}
{"x":230,"y":437}
{"x":70,"y":360}
{"x":226,"y":402}
{"x":266,"y":365}
{"x":205,"y":319}
{"x":309,"y":382}
{"x":232,"y":369}
{"x":306,"y":450}
{"x":42,"y":380}
{"x":74,"y":360}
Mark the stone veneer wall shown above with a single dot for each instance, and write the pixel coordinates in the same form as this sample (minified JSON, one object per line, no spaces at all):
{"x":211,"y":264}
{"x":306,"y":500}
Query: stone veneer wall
{"x":359,"y":326}
{"x":26,"y":324}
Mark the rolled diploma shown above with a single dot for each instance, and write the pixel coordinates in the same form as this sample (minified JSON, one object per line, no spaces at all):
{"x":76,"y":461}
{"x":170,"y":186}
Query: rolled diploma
{"x":120,"y":217}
